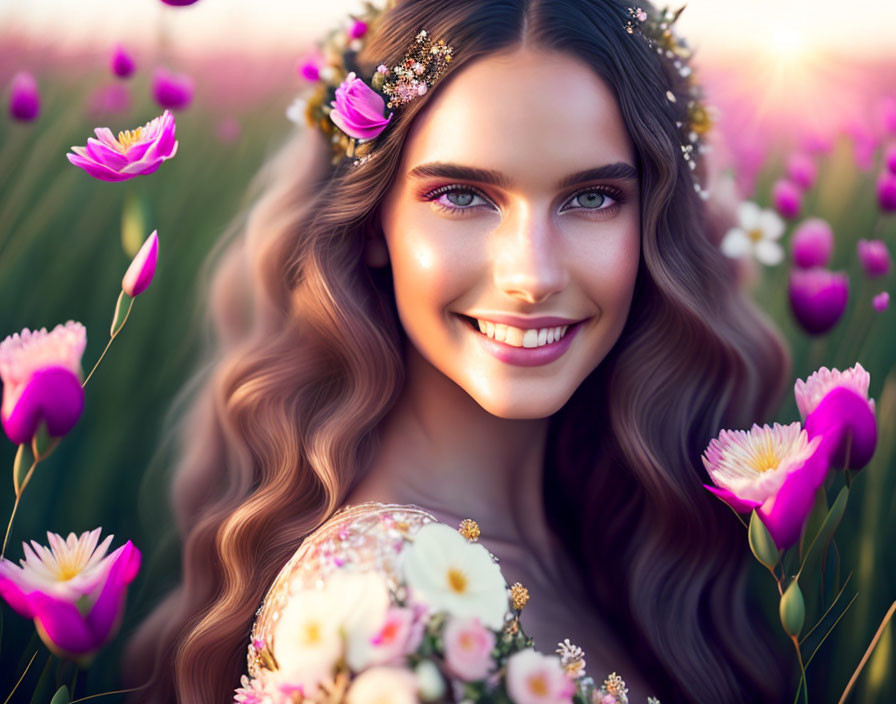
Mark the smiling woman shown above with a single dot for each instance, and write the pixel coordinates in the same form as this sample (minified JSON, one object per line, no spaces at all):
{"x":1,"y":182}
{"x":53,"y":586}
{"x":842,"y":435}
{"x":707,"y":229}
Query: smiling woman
{"x":503,"y":306}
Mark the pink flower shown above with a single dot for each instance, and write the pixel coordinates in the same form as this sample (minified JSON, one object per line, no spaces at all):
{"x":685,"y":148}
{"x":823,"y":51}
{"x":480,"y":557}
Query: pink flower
{"x":139,"y":275}
{"x":172,"y":90}
{"x":134,"y":153}
{"x":886,"y":192}
{"x":812,"y":244}
{"x":74,"y":594}
{"x":122,"y":63}
{"x":835,"y":402}
{"x":358,"y":29}
{"x":818,"y":298}
{"x":358,"y":109}
{"x":533,"y":678}
{"x":890,"y":159}
{"x":874,"y":257}
{"x":881,"y":301}
{"x":817,"y":143}
{"x":802,"y":170}
{"x":24,"y":98}
{"x":41,"y":375}
{"x":468,"y":647}
{"x":774,"y":470}
{"x":400,"y":634}
{"x":787,"y":198}
{"x":179,"y":3}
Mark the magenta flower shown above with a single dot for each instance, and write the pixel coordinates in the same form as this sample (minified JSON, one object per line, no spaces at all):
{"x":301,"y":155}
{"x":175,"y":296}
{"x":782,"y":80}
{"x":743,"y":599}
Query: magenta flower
{"x":179,"y":3}
{"x":802,"y":170}
{"x":818,"y":298}
{"x":122,"y":63}
{"x":836,"y":403}
{"x":41,"y":375}
{"x":775,"y":470}
{"x":812,"y":243}
{"x":874,"y":257}
{"x":74,"y":594}
{"x":358,"y":109}
{"x":881,"y":301}
{"x":134,"y":153}
{"x":172,"y":91}
{"x":817,"y":143}
{"x":788,"y":198}
{"x":890,"y":159}
{"x":886,"y":192}
{"x":358,"y":29}
{"x":24,"y":97}
{"x":139,"y":275}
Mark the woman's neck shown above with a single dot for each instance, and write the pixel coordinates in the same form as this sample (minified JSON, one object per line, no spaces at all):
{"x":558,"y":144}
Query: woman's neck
{"x":443,"y":452}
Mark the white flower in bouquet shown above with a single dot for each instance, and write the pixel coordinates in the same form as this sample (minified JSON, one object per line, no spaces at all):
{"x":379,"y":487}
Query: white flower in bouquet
{"x":383,"y":685}
{"x":320,"y":626}
{"x":450,"y":574}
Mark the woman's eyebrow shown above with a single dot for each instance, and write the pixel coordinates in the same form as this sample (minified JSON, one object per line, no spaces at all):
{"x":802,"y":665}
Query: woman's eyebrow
{"x":619,"y":170}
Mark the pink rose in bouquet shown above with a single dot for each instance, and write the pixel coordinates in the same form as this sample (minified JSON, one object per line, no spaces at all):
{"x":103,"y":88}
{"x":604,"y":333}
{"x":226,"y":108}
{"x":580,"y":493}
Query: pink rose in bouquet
{"x":358,"y":109}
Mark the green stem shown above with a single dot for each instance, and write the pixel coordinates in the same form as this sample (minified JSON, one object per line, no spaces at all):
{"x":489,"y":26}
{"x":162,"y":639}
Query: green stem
{"x":27,"y":667}
{"x":15,"y":505}
{"x":803,"y":686}
{"x":106,"y":694}
{"x":109,"y":343}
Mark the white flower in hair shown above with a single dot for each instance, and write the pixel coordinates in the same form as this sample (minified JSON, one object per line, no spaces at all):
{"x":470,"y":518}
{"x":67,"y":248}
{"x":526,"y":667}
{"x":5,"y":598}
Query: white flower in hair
{"x":757,"y":234}
{"x":446,"y":572}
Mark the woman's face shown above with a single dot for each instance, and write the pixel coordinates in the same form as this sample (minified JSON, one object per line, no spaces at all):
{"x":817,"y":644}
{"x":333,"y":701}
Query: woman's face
{"x":499,"y":239}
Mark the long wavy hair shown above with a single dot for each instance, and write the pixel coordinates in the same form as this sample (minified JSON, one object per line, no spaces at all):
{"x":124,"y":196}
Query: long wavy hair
{"x":308,"y":356}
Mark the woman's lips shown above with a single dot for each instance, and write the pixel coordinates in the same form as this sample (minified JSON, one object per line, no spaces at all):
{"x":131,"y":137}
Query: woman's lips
{"x":525,"y":356}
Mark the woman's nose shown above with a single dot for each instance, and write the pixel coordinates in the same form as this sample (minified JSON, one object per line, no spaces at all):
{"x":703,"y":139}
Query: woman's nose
{"x":528,"y":261}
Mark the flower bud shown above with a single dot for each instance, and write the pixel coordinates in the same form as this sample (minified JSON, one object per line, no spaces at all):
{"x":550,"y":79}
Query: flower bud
{"x":139,"y":275}
{"x":793,"y":609}
{"x":818,"y":298}
{"x":886,"y":192}
{"x":122,"y":63}
{"x":802,"y":170}
{"x":787,"y":198}
{"x":881,"y":301}
{"x":812,"y":244}
{"x":874,"y":257}
{"x":24,"y":98}
{"x":172,"y":90}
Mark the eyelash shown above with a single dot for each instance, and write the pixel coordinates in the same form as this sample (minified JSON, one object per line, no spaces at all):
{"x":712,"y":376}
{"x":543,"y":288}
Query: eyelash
{"x":610,"y":191}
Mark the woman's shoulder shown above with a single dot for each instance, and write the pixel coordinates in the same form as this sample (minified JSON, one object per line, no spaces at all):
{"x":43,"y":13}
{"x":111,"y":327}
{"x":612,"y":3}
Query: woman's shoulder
{"x":366,"y":537}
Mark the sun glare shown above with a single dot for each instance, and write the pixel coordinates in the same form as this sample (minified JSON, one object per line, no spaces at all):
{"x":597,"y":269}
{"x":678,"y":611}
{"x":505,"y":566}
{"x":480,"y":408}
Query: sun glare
{"x":788,"y":43}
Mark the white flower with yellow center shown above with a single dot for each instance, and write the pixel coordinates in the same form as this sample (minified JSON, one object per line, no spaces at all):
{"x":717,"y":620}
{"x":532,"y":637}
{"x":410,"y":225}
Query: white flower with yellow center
{"x":383,"y":685}
{"x":445,"y":571}
{"x":318,"y":627}
{"x":757,"y":234}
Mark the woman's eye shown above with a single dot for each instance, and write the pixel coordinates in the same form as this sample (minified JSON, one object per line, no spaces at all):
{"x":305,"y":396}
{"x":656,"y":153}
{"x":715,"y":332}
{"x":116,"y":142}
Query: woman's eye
{"x":596,"y":200}
{"x":455,"y":199}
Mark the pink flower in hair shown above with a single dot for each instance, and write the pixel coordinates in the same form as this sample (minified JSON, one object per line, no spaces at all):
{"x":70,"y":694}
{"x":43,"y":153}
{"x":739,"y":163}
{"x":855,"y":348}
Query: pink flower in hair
{"x":358,"y":109}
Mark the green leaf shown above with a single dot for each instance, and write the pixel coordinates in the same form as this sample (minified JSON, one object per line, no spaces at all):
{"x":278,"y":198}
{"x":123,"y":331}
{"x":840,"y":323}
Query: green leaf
{"x":21,"y":465}
{"x":793,"y":609}
{"x":121,"y":313}
{"x":812,"y":560}
{"x":761,"y":542}
{"x":61,"y":696}
{"x":812,"y":641}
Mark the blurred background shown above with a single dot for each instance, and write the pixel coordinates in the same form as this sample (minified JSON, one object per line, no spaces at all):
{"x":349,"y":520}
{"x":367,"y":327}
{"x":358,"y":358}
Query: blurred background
{"x":803,"y":93}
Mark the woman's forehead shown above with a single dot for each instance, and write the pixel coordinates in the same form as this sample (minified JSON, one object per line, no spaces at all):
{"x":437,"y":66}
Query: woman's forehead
{"x":533,"y":115}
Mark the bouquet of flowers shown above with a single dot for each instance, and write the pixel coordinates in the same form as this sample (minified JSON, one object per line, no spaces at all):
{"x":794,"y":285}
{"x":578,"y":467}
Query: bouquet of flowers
{"x":438,"y":633}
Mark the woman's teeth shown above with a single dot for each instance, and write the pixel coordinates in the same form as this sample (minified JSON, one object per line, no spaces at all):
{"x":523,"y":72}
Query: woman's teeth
{"x":518,"y":337}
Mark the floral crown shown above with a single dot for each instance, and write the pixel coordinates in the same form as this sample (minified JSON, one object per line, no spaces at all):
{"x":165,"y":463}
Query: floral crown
{"x":352,"y":112}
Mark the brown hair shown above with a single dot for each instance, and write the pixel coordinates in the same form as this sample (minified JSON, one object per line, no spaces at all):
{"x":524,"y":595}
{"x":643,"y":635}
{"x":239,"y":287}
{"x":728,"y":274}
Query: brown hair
{"x":307,"y":359}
